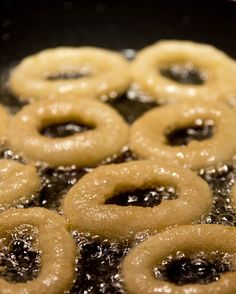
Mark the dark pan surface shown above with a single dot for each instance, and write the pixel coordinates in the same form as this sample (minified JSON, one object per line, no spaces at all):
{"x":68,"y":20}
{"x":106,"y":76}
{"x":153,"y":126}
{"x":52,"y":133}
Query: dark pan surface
{"x":28,"y":26}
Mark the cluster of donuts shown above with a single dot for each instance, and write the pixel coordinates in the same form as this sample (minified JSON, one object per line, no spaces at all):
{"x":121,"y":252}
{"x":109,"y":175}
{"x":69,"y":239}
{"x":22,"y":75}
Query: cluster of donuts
{"x":194,"y":88}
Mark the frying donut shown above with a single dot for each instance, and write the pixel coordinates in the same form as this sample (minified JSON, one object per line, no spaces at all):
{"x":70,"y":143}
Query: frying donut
{"x":233,"y":195}
{"x":138,"y":265}
{"x":83,"y":72}
{"x":108,"y":136}
{"x":179,"y":71}
{"x":149,"y":134}
{"x":86,"y":210}
{"x":3,"y":124}
{"x":18,"y":183}
{"x":58,"y":251}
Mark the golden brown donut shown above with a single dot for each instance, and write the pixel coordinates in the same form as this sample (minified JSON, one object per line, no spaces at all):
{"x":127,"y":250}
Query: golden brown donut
{"x":58,"y":251}
{"x":19,"y":183}
{"x":233,"y":195}
{"x":84,"y":205}
{"x":148,"y":137}
{"x":218,"y":71}
{"x":105,"y":73}
{"x":138,"y":265}
{"x":108,"y":136}
{"x":3,"y":124}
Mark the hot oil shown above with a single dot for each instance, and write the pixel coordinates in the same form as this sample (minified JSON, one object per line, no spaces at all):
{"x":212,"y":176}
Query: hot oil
{"x":19,"y":259}
{"x":201,"y":268}
{"x":55,"y":184}
{"x":131,"y":109}
{"x":98,"y":267}
{"x":221,"y":180}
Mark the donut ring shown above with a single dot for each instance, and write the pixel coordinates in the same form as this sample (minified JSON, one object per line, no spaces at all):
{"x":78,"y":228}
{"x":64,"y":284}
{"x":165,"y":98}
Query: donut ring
{"x":84,"y":206}
{"x":148,"y":134}
{"x":82,"y":149}
{"x":58,"y":251}
{"x":18,"y":183}
{"x":138,"y":265}
{"x":218,"y":68}
{"x":108,"y":73}
{"x":4,"y":123}
{"x":233,"y":195}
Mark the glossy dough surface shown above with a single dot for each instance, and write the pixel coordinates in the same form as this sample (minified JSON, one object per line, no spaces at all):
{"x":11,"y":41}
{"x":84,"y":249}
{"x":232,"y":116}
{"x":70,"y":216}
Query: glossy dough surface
{"x":138,"y":266}
{"x":84,"y":206}
{"x":148,"y":138}
{"x":3,"y":123}
{"x":63,"y":84}
{"x":19,"y":183}
{"x":105,"y":73}
{"x":219,"y":69}
{"x":109,"y":136}
{"x":233,"y":195}
{"x":58,"y":251}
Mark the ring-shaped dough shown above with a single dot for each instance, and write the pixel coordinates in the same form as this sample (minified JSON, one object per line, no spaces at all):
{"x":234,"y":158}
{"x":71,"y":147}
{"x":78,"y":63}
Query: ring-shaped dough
{"x":58,"y":251}
{"x":233,"y":195}
{"x":148,"y":138}
{"x":219,"y":68}
{"x":108,"y":73}
{"x":4,"y":117}
{"x":19,"y":183}
{"x":85,"y":210}
{"x":138,"y":265}
{"x":109,"y":136}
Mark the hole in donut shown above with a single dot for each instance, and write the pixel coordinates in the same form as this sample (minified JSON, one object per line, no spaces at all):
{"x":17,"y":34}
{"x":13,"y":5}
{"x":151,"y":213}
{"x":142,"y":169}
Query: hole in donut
{"x":19,"y":261}
{"x":201,"y":268}
{"x":64,"y":129}
{"x":70,"y":75}
{"x":144,"y":198}
{"x":200,"y":130}
{"x":186,"y":74}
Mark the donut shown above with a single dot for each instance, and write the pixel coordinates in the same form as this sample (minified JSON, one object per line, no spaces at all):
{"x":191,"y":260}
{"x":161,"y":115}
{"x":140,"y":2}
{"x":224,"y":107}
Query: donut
{"x":83,"y":72}
{"x":86,"y":210}
{"x":179,"y":71}
{"x":19,"y":183}
{"x":149,"y":134}
{"x":58,"y":251}
{"x":108,"y":136}
{"x":3,"y":124}
{"x":138,"y":265}
{"x":233,"y":195}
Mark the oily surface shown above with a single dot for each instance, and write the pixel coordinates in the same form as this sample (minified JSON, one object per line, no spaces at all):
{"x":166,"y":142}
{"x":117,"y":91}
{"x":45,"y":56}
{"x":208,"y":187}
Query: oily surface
{"x":99,"y":263}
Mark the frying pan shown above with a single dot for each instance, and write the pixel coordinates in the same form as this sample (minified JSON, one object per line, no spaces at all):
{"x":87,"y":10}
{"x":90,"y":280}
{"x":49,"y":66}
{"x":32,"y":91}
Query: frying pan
{"x":28,"y":26}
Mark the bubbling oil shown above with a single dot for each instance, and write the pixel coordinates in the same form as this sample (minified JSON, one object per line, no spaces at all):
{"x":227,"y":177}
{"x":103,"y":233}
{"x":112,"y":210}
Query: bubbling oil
{"x":201,"y":268}
{"x":98,"y":267}
{"x":19,"y":259}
